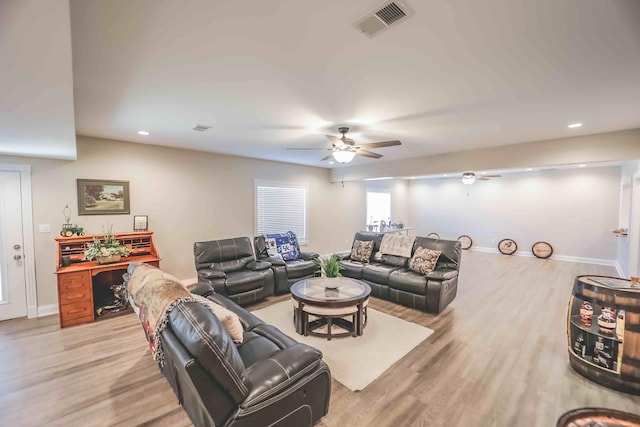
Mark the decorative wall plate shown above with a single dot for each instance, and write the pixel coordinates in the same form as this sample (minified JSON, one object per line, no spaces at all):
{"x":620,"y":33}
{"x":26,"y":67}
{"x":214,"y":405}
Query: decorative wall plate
{"x":507,"y":246}
{"x":465,"y":241}
{"x":433,"y":236}
{"x":542,"y":250}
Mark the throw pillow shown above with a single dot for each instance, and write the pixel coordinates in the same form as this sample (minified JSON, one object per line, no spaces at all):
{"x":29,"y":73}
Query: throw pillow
{"x":424,"y":260}
{"x":279,"y":245}
{"x":361,"y":250}
{"x":230,"y":320}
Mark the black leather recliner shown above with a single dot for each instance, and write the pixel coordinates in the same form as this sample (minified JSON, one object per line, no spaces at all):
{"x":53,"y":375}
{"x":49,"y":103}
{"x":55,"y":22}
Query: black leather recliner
{"x":269,"y":379}
{"x":230,"y":267}
{"x":288,"y":272}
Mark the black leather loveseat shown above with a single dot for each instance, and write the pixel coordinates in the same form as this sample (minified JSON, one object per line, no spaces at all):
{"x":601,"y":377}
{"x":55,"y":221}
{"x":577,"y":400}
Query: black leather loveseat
{"x":230,"y":267}
{"x":391,"y":279}
{"x":287,"y":272}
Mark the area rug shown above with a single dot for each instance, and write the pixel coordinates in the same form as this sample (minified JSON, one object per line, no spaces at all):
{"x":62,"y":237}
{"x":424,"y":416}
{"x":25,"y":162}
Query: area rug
{"x":355,"y":362}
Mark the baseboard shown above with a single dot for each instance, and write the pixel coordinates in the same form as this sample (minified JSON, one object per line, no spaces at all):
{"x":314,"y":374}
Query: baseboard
{"x":619,"y":269}
{"x":598,"y":261}
{"x":47,"y":310}
{"x":32,"y":311}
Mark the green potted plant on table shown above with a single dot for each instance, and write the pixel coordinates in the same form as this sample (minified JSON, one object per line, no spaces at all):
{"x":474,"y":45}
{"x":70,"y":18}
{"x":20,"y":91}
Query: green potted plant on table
{"x":107,"y":250}
{"x":330,"y":267}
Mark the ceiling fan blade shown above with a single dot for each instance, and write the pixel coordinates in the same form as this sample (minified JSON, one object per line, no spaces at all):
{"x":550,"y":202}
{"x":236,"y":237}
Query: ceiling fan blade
{"x":348,"y":141}
{"x":334,"y":139}
{"x":492,"y":176}
{"x":482,"y":178}
{"x":380,"y":144}
{"x":368,"y":154}
{"x":457,"y":178}
{"x":309,"y":148}
{"x":330,"y":155}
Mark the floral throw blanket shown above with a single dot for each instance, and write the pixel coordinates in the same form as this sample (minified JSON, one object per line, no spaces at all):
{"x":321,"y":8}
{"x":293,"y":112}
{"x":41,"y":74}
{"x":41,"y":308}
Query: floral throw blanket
{"x":153,"y":294}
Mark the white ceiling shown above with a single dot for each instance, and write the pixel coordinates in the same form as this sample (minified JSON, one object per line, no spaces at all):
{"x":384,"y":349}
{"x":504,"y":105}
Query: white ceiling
{"x":458,"y":75}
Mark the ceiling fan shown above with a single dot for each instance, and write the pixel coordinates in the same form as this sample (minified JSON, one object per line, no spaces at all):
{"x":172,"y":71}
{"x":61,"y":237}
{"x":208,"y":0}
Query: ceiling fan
{"x":345,"y":149}
{"x":469,"y":178}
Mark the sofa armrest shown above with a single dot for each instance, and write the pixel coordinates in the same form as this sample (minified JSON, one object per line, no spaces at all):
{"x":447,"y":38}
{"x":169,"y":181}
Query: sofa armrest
{"x":201,"y":288}
{"x":274,"y":261}
{"x":270,"y":376}
{"x":344,"y":255}
{"x":210,"y":273}
{"x":258,"y":265}
{"x":442,"y":274}
{"x":308,"y":256}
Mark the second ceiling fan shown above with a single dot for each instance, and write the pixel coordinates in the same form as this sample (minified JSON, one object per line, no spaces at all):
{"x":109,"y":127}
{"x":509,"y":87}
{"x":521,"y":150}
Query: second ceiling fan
{"x":469,"y":178}
{"x":345,"y":149}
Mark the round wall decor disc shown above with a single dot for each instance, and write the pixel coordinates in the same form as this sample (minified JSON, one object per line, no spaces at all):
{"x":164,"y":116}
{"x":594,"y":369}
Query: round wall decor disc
{"x":507,"y":246}
{"x":542,"y":250}
{"x":433,"y":236}
{"x":465,"y":241}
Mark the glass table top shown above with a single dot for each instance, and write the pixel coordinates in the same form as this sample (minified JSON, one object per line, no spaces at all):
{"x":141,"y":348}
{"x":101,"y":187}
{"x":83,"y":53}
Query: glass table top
{"x":315,"y":289}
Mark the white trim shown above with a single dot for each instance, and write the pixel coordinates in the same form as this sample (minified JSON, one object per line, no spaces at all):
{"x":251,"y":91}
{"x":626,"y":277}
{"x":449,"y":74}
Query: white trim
{"x":619,"y":269}
{"x":27,"y":235}
{"x":47,"y":310}
{"x":598,"y":261}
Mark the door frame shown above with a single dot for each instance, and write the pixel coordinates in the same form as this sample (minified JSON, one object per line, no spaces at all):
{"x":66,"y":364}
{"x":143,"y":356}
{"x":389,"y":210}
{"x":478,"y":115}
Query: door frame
{"x":634,"y":227}
{"x":27,"y":235}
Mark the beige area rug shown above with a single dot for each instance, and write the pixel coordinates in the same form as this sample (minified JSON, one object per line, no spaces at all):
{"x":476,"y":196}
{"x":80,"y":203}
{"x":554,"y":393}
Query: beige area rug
{"x":355,"y":362}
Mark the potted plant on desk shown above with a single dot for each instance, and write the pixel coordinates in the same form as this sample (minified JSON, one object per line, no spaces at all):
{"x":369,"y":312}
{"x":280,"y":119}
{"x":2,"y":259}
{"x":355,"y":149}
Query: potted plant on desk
{"x":106,"y":251}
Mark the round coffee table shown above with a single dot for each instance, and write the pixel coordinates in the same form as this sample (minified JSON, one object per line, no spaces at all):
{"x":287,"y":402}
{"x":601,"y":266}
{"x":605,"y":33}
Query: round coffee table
{"x":330,"y":305}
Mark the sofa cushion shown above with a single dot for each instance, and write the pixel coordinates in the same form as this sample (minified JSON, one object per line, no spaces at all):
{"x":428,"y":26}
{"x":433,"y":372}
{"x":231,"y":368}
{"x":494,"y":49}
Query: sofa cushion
{"x":351,"y":269}
{"x":255,"y":348}
{"x":451,"y":252}
{"x":299,"y":268}
{"x":279,"y":245}
{"x":408,"y":281}
{"x":424,"y":260}
{"x":361,"y":250}
{"x":243,"y":281}
{"x":248,"y":320}
{"x":378,"y":273}
{"x":396,"y":261}
{"x":224,"y":255}
{"x":228,"y":318}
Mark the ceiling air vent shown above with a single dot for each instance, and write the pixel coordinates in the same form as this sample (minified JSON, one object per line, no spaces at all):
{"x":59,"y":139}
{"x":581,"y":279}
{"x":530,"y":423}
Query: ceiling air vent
{"x":201,"y":128}
{"x":382,"y":17}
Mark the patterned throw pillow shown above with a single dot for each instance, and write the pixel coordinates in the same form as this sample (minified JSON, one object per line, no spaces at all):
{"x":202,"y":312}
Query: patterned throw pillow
{"x":361,"y":250}
{"x":279,"y":245}
{"x":424,"y":260}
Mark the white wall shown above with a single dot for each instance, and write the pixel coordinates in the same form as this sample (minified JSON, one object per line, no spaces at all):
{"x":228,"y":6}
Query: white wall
{"x":189,"y":196}
{"x":573,"y":209}
{"x":36,"y":79}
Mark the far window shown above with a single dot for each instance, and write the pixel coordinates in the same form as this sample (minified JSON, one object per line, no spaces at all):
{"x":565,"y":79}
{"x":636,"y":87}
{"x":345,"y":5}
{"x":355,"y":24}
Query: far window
{"x":281,"y":208}
{"x":378,"y":207}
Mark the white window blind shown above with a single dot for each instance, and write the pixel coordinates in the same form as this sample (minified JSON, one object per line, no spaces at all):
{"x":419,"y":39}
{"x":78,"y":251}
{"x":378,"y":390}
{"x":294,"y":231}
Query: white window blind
{"x":281,"y":208}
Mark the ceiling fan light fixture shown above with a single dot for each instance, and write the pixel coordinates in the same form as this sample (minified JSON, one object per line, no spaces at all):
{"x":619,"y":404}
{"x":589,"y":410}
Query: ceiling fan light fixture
{"x":468,"y":178}
{"x":344,"y":156}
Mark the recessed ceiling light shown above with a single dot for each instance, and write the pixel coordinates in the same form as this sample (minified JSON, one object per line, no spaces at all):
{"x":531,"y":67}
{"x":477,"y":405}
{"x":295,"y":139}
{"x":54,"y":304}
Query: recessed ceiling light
{"x":483,"y":173}
{"x":582,"y":165}
{"x":445,"y":175}
{"x":529,"y":169}
{"x":143,"y":132}
{"x":574,"y":125}
{"x":331,"y":163}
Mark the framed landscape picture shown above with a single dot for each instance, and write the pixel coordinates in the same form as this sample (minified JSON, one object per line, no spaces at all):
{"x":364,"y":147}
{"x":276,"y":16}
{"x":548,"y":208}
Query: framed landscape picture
{"x":103,"y":197}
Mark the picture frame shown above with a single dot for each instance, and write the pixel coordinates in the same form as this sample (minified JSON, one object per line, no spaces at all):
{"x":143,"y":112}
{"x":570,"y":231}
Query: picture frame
{"x":140,"y":222}
{"x":103,"y":197}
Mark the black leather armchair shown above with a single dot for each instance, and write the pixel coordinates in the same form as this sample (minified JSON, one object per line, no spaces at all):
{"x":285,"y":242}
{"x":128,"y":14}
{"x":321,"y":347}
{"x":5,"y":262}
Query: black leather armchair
{"x":230,"y":267}
{"x":288,"y":272}
{"x":269,"y":379}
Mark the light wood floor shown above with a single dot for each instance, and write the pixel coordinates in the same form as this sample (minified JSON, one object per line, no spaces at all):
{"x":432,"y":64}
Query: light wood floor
{"x":498,"y":357}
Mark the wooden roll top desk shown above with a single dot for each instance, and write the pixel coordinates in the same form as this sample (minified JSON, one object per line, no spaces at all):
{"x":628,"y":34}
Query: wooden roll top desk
{"x":82,"y":283}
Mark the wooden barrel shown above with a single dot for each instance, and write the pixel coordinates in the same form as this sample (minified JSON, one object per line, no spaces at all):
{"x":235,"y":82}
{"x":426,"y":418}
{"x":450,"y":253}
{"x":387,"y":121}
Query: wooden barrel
{"x":606,"y":347}
{"x":583,"y":417}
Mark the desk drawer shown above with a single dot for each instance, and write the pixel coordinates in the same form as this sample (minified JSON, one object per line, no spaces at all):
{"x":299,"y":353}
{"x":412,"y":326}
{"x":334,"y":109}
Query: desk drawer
{"x":76,"y":311}
{"x":74,"y":287}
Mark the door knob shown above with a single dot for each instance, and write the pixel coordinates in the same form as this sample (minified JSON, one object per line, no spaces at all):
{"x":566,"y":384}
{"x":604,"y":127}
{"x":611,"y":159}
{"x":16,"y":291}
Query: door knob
{"x":17,"y":257}
{"x":16,"y":247}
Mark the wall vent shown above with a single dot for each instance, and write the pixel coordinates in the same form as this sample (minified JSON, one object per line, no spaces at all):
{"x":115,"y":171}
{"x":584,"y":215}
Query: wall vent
{"x":382,"y":17}
{"x":201,"y":128}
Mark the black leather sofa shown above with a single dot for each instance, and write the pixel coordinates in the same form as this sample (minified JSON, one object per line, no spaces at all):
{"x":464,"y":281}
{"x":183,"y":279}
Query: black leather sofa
{"x":288,"y":272}
{"x":391,"y":279}
{"x":230,"y":267}
{"x":269,"y":379}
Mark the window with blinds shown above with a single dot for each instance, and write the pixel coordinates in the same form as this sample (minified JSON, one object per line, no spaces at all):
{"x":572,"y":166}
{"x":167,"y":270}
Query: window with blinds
{"x":281,"y":208}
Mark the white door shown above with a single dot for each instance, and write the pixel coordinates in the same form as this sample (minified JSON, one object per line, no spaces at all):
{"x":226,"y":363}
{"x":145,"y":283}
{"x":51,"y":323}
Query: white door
{"x":13,"y":299}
